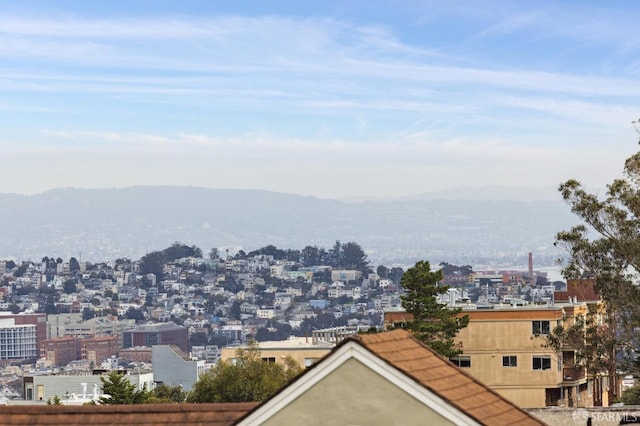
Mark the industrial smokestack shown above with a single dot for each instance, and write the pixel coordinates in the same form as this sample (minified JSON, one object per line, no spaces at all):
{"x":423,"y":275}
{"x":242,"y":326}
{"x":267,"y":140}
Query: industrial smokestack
{"x":531,"y":266}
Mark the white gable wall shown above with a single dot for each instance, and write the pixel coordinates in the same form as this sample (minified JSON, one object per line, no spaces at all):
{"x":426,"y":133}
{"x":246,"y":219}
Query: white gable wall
{"x":353,"y":386}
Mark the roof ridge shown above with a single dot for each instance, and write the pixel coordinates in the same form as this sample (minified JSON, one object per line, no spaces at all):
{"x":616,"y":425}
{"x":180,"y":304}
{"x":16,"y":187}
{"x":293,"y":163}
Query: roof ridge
{"x":369,"y":341}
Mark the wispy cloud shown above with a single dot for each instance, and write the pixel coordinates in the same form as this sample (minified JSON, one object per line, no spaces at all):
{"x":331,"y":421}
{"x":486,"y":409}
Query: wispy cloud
{"x":278,"y":94}
{"x":513,"y":23}
{"x":311,"y":50}
{"x":157,"y":28}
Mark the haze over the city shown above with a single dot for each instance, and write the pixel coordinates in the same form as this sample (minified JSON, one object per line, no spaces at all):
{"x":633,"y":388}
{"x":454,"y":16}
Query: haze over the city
{"x":331,"y":99}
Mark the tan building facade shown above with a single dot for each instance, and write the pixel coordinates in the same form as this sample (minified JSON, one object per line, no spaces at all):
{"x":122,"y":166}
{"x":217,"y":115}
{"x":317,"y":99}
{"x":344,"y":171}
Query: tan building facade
{"x":301,"y":350}
{"x":507,"y":349}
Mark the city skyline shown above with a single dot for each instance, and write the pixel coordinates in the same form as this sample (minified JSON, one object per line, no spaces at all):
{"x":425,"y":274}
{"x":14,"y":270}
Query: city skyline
{"x":336,"y":100}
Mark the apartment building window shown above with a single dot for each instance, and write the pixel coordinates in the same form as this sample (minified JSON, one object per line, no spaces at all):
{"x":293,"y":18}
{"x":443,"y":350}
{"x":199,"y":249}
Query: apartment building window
{"x":461,"y":361}
{"x":542,"y":363}
{"x":40,"y":392}
{"x":510,"y":361}
{"x":270,"y":360}
{"x":540,"y":327}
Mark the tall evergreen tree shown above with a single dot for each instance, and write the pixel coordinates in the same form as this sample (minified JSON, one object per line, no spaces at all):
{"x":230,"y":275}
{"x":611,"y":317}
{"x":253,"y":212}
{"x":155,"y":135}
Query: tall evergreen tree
{"x":74,"y":265}
{"x":120,"y":390}
{"x":433,"y":323}
{"x":310,"y":256}
{"x":353,"y":256}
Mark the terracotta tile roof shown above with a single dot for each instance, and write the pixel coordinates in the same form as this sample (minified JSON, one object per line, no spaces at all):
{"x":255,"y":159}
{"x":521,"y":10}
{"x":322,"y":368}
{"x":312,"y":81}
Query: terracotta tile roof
{"x":402,"y":351}
{"x":144,"y":414}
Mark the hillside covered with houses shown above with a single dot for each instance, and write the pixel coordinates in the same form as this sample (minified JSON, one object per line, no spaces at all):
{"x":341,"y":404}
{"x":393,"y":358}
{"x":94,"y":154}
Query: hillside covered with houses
{"x":267,"y":294}
{"x":73,"y":316}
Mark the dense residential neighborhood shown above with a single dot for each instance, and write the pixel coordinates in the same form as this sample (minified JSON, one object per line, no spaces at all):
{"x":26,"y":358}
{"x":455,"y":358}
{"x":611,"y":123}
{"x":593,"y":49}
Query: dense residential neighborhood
{"x":220,"y":300}
{"x":83,"y":314}
{"x":73,"y":315}
{"x":174,"y":314}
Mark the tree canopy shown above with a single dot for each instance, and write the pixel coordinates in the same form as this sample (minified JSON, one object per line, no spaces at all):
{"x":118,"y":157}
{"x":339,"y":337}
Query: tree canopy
{"x":249,"y":378}
{"x":449,"y":269}
{"x":153,"y":263}
{"x":347,"y":256}
{"x":631,"y":396}
{"x":178,"y":250}
{"x":312,"y":256}
{"x":120,"y":390}
{"x":74,"y":265}
{"x":354,"y":257}
{"x":69,"y":286}
{"x":605,"y":248}
{"x":165,"y":394}
{"x":270,"y":250}
{"x":433,"y":323}
{"x":592,"y":343}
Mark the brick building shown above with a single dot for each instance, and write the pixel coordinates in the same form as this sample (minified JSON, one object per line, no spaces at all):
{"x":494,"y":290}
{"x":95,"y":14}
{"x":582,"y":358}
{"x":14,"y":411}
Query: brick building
{"x":138,"y":354}
{"x":97,"y":349}
{"x":157,"y":334}
{"x":60,"y":350}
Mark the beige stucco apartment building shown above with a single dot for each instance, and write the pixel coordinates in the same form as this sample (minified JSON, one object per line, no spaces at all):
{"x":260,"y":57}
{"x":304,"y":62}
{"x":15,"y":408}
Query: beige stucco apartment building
{"x":507,"y":349}
{"x":305,"y":351}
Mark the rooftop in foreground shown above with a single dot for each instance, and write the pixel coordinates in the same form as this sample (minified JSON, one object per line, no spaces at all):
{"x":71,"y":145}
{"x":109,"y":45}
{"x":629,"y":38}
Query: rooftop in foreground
{"x":142,"y":414}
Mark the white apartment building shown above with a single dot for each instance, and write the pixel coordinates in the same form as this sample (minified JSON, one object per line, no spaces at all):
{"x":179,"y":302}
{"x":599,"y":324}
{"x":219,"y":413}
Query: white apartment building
{"x":45,"y":387}
{"x":265,"y":313}
{"x":17,"y":341}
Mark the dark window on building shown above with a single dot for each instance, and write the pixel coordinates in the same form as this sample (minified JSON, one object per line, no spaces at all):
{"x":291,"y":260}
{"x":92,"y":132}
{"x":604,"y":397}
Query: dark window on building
{"x":128,"y":340}
{"x":152,"y":339}
{"x":510,"y":361}
{"x":461,"y":361}
{"x":270,"y":360}
{"x":540,"y":327}
{"x":541,"y":363}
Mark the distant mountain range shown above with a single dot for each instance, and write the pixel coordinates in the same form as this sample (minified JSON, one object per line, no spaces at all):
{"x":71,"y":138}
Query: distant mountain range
{"x":485,"y":193}
{"x":474,"y":226}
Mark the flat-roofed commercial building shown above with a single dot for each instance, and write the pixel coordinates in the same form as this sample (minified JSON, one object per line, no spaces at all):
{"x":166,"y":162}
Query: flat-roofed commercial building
{"x":157,"y":334}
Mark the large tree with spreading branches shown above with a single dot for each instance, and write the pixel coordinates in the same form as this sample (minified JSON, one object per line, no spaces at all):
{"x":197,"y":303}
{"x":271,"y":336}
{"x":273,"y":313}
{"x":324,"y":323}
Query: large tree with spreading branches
{"x":248,"y":378}
{"x":606,"y":249}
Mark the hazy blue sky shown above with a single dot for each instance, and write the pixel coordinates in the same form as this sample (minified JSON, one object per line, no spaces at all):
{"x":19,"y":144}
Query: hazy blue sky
{"x":330,"y":98}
